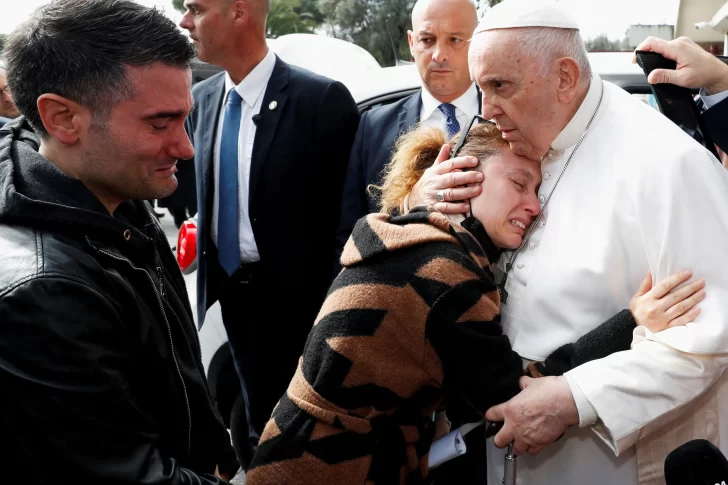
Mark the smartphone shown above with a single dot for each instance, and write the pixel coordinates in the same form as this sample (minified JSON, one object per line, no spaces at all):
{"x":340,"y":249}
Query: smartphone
{"x":676,"y":102}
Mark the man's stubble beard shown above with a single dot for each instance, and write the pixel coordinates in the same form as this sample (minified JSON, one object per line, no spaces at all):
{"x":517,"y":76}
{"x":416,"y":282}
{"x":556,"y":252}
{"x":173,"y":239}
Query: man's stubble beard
{"x":106,"y":152}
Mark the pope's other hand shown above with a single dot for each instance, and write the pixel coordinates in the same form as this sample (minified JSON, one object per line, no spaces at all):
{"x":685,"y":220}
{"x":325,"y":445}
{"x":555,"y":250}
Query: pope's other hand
{"x":537,"y":416}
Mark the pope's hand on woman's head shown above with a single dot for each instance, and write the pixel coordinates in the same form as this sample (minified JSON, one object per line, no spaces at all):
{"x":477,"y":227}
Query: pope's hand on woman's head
{"x":447,"y":177}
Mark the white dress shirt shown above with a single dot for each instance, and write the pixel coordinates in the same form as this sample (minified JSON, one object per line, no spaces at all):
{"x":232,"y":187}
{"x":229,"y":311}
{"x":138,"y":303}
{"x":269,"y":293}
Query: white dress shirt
{"x":465,"y":107}
{"x":711,"y":100}
{"x":252,"y":90}
{"x":638,"y":195}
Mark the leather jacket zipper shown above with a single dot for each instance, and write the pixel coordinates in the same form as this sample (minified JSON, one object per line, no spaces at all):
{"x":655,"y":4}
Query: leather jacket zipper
{"x":169,"y":333}
{"x":197,"y":340}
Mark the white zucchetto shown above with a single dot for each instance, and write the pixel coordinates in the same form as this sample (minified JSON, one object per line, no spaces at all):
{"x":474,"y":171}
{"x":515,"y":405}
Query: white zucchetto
{"x":511,"y":14}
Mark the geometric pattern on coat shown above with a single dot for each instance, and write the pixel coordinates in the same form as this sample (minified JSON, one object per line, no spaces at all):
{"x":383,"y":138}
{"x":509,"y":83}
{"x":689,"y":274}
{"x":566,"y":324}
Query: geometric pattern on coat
{"x":411,"y":320}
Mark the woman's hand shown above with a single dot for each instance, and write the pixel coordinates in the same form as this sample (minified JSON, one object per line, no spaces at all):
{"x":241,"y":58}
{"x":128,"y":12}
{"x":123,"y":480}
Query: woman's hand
{"x":664,"y":306}
{"x":442,"y":425}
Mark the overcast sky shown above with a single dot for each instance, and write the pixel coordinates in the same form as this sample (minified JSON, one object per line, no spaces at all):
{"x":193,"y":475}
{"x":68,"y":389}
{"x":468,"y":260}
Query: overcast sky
{"x":595,"y":17}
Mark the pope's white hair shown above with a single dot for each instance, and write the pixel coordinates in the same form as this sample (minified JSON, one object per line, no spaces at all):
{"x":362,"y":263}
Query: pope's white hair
{"x":549,"y":44}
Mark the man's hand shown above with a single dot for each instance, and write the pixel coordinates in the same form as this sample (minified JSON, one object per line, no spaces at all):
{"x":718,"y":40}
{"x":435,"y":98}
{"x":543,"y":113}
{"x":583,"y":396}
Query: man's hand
{"x":447,"y":176}
{"x":696,"y":68}
{"x":222,"y":476}
{"x":536,"y":417}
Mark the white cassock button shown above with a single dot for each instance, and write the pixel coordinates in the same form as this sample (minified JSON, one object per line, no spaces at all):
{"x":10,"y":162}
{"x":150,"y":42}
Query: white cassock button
{"x":273,"y":105}
{"x":541,"y":223}
{"x":541,"y":199}
{"x":519,"y":266}
{"x":546,"y":176}
{"x":532,"y":246}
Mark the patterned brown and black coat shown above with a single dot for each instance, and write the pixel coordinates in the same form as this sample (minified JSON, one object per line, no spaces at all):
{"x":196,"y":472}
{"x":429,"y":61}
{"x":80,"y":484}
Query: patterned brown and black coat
{"x":411,"y":322}
{"x":412,"y":319}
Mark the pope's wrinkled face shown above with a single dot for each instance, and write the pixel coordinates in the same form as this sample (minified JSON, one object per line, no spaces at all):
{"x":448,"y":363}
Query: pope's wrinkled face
{"x":508,"y":203}
{"x":438,"y":42}
{"x":517,"y":95}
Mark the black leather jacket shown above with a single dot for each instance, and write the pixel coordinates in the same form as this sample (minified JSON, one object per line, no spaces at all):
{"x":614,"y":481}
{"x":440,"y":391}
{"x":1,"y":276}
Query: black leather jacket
{"x":101,"y":379}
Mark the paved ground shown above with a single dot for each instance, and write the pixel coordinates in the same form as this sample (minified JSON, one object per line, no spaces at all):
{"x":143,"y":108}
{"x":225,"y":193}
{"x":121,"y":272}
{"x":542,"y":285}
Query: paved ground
{"x":239,"y":478}
{"x":168,"y":225}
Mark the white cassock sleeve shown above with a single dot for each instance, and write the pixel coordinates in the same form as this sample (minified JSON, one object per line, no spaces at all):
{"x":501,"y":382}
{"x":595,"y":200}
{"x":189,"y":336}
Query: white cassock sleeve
{"x":681,"y":207}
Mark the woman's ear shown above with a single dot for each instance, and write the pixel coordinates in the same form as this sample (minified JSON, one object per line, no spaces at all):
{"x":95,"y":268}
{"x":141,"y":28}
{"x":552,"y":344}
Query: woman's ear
{"x":63,"y":119}
{"x":569,"y":78}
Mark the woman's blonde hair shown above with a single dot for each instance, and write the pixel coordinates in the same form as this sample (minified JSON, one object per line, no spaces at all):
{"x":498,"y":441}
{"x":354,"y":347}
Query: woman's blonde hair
{"x":417,"y":150}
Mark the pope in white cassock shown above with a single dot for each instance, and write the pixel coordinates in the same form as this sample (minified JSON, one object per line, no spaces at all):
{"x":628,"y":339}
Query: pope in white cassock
{"x":624,"y":191}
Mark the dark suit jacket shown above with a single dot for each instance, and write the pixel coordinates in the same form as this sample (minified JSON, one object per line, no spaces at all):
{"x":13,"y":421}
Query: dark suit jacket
{"x":297,"y":172}
{"x":716,"y":120}
{"x":379,"y":128}
{"x":372,"y":151}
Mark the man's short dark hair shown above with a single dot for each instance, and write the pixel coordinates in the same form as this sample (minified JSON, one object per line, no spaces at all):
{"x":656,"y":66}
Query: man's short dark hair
{"x":80,"y":49}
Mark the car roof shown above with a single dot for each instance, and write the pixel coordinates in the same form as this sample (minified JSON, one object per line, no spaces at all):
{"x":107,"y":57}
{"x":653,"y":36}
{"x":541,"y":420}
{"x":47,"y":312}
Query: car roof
{"x":617,"y":68}
{"x":330,"y":57}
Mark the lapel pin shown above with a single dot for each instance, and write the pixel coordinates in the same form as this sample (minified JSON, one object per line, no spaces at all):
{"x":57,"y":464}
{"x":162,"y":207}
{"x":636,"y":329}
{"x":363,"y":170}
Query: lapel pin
{"x":273,"y":105}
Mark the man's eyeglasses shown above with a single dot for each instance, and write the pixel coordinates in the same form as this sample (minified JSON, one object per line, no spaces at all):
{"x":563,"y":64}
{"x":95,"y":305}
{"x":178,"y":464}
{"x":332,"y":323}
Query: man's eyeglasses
{"x":464,"y":133}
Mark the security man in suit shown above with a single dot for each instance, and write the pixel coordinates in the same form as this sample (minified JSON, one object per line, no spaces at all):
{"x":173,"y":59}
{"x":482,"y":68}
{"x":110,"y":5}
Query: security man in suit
{"x":271,"y":144}
{"x":696,"y":68}
{"x":8,"y":110}
{"x":439,"y":40}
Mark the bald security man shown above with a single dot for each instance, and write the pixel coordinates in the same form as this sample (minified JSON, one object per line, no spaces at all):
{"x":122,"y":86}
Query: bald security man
{"x":439,"y":40}
{"x":271,"y":145}
{"x":7,"y":106}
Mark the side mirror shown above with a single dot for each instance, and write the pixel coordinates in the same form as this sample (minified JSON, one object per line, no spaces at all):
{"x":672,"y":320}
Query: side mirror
{"x":187,"y":247}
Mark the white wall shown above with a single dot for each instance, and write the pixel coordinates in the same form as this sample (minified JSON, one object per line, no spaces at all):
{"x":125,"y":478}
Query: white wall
{"x":638,"y":33}
{"x":694,"y":11}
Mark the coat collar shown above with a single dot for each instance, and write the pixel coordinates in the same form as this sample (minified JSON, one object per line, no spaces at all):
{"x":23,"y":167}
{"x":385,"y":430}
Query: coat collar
{"x":409,"y":115}
{"x":574,"y":128}
{"x":274,"y":104}
{"x":210,"y":108}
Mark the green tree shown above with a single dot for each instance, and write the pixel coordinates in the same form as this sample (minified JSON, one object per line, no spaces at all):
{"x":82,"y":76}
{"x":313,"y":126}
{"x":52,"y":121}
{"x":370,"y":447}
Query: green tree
{"x":364,"y":22}
{"x":483,"y":5}
{"x":310,"y":8}
{"x":285,"y":17}
{"x":602,"y":43}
